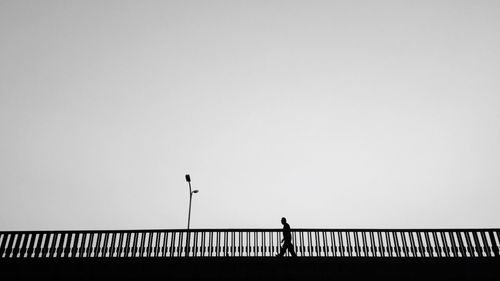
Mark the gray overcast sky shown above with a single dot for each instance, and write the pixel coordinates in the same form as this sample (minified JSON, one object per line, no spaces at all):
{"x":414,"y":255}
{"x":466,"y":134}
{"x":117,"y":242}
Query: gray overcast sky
{"x":334,"y":114}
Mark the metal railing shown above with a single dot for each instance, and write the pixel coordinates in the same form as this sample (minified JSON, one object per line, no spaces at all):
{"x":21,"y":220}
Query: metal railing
{"x":407,"y":243}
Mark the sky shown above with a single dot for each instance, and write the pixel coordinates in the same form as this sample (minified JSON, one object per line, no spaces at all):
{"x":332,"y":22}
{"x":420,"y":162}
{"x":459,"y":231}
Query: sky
{"x":334,"y":114}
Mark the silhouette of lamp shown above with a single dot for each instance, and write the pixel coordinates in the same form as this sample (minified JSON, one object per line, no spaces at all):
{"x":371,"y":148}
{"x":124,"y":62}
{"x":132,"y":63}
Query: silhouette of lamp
{"x":188,"y":179}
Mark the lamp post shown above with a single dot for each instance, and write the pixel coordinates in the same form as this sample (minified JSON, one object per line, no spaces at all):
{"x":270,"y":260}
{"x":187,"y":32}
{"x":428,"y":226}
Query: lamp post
{"x":188,"y":179}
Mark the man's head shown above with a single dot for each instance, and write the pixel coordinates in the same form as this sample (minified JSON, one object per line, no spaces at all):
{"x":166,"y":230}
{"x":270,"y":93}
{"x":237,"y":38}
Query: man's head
{"x":283,"y":220}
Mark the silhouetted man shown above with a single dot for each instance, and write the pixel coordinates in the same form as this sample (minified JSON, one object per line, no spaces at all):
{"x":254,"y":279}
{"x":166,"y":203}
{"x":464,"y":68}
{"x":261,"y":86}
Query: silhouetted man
{"x":287,"y":240}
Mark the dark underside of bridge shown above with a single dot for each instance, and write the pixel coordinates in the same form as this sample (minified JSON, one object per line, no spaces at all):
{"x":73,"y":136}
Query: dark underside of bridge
{"x":251,"y":268}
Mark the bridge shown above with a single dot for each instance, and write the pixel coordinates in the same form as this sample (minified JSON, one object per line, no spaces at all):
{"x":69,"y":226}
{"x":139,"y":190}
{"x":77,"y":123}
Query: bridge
{"x":249,"y":254}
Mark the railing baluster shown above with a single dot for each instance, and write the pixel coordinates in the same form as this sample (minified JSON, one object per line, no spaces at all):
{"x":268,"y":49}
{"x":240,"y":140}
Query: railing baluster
{"x":24,"y":246}
{"x":279,"y":237}
{"x":12,"y":245}
{"x":355,"y":243}
{"x":334,"y":245}
{"x":99,"y":246}
{"x":8,"y":249}
{"x":421,"y":247}
{"x":411,"y":250}
{"x":67,"y":246}
{"x":494,"y":245}
{"x":263,"y":240}
{"x":366,"y":249}
{"x":317,"y":249}
{"x":9,"y":241}
{"x":180,"y":245}
{"x":478,"y":247}
{"x":388,"y":244}
{"x":3,"y":241}
{"x":349,"y":244}
{"x":326,"y":246}
{"x":104,"y":244}
{"x":430,"y":250}
{"x":309,"y":247}
{"x":119,"y":250}
{"x":172,"y":243}
{"x":373,"y":249}
{"x":454,"y":248}
{"x":126,"y":250}
{"x":149,"y":248}
{"x":247,"y":247}
{"x":38,"y":247}
{"x":134,"y":247}
{"x":486,"y":245}
{"x":263,"y":243}
{"x":397,"y":247}
{"x":317,"y":243}
{"x":381,"y":244}
{"x":167,"y":238}
{"x":17,"y":250}
{"x":225,"y":248}
{"x":253,"y":243}
{"x":240,"y":244}
{"x":90,"y":246}
{"x":437,"y":246}
{"x":322,"y":243}
{"x":142,"y":247}
{"x":446,"y":244}
{"x":217,"y":244}
{"x":442,"y":244}
{"x":53,"y":238}
{"x":49,"y":247}
{"x":497,"y":236}
{"x":74,"y":247}
{"x":195,"y":244}
{"x":21,"y":247}
{"x":202,"y":245}
{"x":461,"y":248}
{"x":15,"y":247}
{"x":470,"y":246}
{"x":112,"y":241}
{"x":60,"y":244}
{"x":341,"y":243}
{"x":155,"y":243}
{"x":164,"y":244}
{"x":406,"y":248}
{"x":211,"y":245}
{"x":157,"y":246}
{"x":233,"y":244}
{"x":81,"y":247}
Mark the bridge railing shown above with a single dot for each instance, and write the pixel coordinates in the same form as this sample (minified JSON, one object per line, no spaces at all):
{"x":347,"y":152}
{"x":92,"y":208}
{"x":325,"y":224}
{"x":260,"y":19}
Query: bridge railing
{"x":405,"y":243}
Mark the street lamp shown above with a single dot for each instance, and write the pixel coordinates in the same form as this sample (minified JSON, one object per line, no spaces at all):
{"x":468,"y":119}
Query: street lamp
{"x":188,"y":179}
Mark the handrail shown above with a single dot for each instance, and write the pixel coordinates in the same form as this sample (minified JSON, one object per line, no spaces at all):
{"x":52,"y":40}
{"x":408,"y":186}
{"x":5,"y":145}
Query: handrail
{"x":246,"y":229}
{"x":401,"y":243}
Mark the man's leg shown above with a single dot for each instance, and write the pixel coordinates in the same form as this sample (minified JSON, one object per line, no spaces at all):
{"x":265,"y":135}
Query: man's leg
{"x":291,"y":250}
{"x":282,"y":251}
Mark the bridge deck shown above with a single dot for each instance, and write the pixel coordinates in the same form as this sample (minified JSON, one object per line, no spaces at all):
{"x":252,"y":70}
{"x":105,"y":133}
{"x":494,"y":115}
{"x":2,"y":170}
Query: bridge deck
{"x":251,"y":268}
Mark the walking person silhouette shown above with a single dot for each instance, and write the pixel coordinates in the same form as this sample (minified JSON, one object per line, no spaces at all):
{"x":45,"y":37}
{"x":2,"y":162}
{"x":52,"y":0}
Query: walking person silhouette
{"x":287,"y":240}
